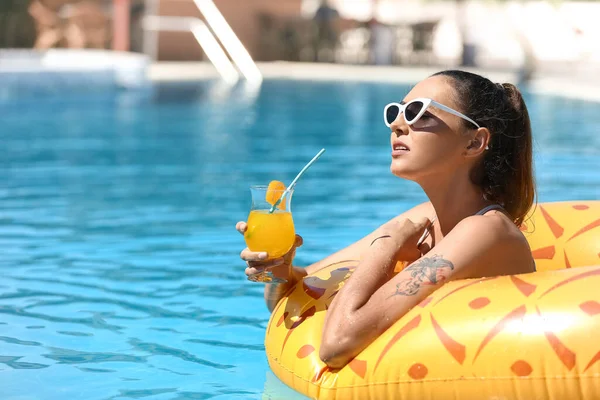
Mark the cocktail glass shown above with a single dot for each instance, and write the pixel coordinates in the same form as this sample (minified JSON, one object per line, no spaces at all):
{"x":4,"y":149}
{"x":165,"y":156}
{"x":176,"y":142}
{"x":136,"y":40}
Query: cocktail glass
{"x":268,"y":231}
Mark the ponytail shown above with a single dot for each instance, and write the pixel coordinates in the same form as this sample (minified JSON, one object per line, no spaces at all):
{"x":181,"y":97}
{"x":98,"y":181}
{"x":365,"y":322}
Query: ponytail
{"x":506,"y":173}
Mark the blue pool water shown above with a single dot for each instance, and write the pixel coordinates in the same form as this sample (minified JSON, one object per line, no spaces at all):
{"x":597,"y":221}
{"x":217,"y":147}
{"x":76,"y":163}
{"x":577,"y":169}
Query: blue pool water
{"x":120,"y":269}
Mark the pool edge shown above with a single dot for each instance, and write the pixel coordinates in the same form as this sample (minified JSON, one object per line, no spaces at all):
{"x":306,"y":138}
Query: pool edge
{"x":575,"y":85}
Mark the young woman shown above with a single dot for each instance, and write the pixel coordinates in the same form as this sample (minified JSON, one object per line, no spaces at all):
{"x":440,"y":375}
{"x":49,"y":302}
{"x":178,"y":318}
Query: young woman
{"x":467,"y":142}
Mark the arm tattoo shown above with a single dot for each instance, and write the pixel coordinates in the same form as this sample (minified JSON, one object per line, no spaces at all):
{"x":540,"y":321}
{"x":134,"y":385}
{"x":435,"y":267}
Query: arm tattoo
{"x":380,"y":237}
{"x":426,"y":271}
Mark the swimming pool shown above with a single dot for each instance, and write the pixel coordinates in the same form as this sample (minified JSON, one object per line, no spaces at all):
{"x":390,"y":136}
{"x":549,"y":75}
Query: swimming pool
{"x":121,"y":276}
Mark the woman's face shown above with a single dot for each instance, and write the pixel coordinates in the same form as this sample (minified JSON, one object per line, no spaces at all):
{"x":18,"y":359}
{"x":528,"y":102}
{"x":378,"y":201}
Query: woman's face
{"x":436,"y":143}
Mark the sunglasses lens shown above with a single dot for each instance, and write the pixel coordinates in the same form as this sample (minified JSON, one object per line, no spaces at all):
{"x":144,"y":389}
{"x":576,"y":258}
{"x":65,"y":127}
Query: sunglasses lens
{"x":412,"y":110}
{"x":391,"y":114}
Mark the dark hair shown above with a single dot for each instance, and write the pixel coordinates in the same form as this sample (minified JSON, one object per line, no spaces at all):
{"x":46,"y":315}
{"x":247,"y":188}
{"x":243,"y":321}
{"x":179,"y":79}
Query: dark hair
{"x":506,"y":176}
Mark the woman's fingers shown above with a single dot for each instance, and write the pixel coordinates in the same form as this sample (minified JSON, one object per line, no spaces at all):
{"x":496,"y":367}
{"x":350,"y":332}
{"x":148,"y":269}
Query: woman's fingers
{"x":248,"y":255}
{"x":255,"y":267}
{"x":422,"y":223}
{"x":241,"y":227}
{"x":266,"y":264}
{"x":299,"y":241}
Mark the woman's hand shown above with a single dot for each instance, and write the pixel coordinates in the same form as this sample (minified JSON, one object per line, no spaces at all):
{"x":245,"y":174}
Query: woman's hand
{"x":257,"y":261}
{"x":403,"y":235}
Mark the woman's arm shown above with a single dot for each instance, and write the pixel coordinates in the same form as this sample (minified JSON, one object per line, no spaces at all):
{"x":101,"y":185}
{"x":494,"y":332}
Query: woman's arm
{"x":372,"y":300}
{"x":357,"y":249}
{"x":354,"y":252}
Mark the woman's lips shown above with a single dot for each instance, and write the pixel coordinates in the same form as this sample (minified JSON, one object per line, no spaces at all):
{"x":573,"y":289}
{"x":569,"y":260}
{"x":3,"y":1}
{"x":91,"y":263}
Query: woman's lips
{"x":398,"y":153}
{"x":399,"y":149}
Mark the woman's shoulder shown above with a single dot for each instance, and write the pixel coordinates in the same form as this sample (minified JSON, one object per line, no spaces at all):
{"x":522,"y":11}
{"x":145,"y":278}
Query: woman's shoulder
{"x":496,"y":235}
{"x":492,"y":229}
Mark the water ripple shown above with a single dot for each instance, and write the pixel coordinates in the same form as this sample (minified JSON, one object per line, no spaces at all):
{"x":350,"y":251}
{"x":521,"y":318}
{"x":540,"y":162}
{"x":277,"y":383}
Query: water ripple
{"x":228,"y":344}
{"x":96,"y":370}
{"x":70,"y":333}
{"x":14,"y":363}
{"x":138,"y":394}
{"x":160,"y":350}
{"x":92,"y":322}
{"x":147,"y":310}
{"x":68,"y":356}
{"x":20,"y":342}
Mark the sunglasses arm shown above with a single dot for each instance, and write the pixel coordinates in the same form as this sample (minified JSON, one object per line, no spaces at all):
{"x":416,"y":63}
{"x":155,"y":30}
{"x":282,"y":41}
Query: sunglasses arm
{"x":454,"y":112}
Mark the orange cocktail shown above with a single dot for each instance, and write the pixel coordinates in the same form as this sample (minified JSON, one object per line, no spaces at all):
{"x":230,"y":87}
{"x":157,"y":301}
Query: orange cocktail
{"x":270,"y":232}
{"x":270,"y":224}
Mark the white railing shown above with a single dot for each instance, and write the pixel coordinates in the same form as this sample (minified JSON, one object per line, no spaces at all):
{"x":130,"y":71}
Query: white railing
{"x":210,"y":45}
{"x":231,"y":43}
{"x":205,"y":39}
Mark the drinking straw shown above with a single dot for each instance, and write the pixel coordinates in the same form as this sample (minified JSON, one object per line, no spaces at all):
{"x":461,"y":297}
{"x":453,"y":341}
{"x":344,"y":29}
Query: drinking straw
{"x":291,"y":186}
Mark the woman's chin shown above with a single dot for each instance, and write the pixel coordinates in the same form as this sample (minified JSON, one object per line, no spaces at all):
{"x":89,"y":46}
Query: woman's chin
{"x":401,"y":171}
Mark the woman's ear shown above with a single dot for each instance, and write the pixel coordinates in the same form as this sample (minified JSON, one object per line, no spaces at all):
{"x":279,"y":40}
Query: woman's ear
{"x":478,"y":143}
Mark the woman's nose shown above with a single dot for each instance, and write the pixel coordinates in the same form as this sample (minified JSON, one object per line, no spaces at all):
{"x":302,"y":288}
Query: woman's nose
{"x":399,"y":126}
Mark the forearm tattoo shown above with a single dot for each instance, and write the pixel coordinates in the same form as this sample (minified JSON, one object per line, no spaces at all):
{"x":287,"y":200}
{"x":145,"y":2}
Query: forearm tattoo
{"x":380,"y":237}
{"x":426,"y":271}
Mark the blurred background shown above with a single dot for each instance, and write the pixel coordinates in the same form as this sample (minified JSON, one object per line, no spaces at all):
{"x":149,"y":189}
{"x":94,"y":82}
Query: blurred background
{"x":131,"y":131}
{"x":495,"y":34}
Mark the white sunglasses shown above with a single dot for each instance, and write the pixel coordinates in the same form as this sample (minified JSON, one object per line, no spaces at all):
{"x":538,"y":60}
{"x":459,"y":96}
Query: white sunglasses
{"x":414,"y":109}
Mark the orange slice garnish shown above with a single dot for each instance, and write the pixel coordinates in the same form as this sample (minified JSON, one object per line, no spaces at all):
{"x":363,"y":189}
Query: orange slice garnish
{"x":274,"y":192}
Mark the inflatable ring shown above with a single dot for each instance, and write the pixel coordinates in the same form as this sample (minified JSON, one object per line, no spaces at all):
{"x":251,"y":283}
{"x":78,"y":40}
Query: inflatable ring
{"x":527,"y":336}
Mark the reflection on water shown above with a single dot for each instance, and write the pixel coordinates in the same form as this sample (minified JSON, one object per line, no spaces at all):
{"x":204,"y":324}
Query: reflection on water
{"x":121,"y":276}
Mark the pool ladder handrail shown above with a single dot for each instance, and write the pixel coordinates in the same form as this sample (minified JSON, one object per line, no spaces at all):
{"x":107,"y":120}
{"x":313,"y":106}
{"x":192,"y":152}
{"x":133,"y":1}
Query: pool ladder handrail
{"x":207,"y":41}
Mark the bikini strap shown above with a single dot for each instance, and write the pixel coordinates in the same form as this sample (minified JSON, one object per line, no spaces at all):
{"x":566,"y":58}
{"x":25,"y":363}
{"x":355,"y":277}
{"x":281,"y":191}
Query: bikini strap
{"x":490,"y":208}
